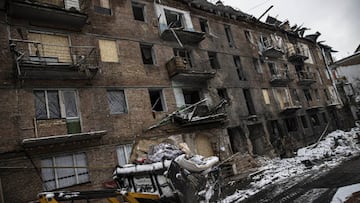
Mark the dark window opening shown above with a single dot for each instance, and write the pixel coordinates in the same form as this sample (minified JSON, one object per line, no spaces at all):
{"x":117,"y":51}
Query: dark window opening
{"x":239,"y":69}
{"x":223,"y":94}
{"x":191,"y":96}
{"x":204,"y":26}
{"x":147,"y":54}
{"x":185,"y":55}
{"x":314,"y":120}
{"x":272,"y":68}
{"x":324,"y":117}
{"x":291,"y":124}
{"x":257,"y":65}
{"x":307,"y":95}
{"x":174,"y":19}
{"x":156,"y":99}
{"x":138,"y":11}
{"x":229,"y":36}
{"x":213,"y":60}
{"x":249,"y":102}
{"x":248,"y":36}
{"x":295,"y":95}
{"x":304,"y":121}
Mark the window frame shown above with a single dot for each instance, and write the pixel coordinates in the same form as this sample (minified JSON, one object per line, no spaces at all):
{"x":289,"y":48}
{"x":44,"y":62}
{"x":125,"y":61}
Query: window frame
{"x":124,"y":106}
{"x":152,"y":53}
{"x":101,"y":9}
{"x":229,"y":36}
{"x":204,"y":25}
{"x":138,"y":6}
{"x":162,"y":100}
{"x":126,"y":153}
{"x":213,"y":59}
{"x":55,"y":170}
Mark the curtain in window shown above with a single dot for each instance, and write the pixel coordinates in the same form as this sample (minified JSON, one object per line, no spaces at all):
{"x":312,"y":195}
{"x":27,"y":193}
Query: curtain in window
{"x":117,"y":103}
{"x":53,"y":103}
{"x":70,"y":104}
{"x":40,"y":105}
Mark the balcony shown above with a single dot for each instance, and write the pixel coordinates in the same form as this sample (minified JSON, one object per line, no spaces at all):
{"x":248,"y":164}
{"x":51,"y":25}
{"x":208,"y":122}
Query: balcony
{"x":36,"y":60}
{"x":297,"y":54}
{"x":272,"y":51}
{"x":290,"y":107}
{"x":281,"y":78}
{"x":180,"y":70}
{"x":60,"y":13}
{"x":306,"y":77}
{"x":333,"y":101}
{"x":182,"y":35}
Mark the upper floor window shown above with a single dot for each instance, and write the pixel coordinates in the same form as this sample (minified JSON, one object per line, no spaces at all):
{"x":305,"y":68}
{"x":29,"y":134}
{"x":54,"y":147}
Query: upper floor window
{"x":222,"y":92}
{"x":204,"y":25}
{"x":239,"y":68}
{"x":174,"y":19}
{"x":123,"y":154}
{"x":52,"y":104}
{"x":138,"y":11}
{"x":117,"y":101}
{"x":283,"y":97}
{"x":103,"y":7}
{"x":147,"y":54}
{"x":248,"y":36}
{"x":191,"y":96}
{"x":214,"y":62}
{"x":229,"y":36}
{"x":157,"y":100}
{"x":257,"y":65}
{"x":108,"y":51}
{"x":307,"y":94}
{"x":266,"y":97}
{"x":63,"y":171}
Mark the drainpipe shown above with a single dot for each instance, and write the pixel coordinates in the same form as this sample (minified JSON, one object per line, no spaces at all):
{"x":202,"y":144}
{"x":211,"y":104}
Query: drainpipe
{"x":331,"y":77}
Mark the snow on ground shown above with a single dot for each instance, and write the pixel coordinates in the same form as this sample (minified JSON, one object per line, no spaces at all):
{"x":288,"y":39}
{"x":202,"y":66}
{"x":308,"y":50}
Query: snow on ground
{"x":344,"y":193}
{"x":328,"y":153}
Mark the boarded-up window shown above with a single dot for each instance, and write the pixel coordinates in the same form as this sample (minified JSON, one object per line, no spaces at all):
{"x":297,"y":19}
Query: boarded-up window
{"x":108,"y":51}
{"x":105,"y":3}
{"x":265,"y":93}
{"x":50,"y":47}
{"x":117,"y":102}
{"x":64,"y":171}
{"x":124,"y":153}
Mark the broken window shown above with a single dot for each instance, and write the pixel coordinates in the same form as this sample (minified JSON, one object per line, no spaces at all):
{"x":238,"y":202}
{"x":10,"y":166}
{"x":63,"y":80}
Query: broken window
{"x":51,"y":48}
{"x":307,"y":94}
{"x":204,"y":26}
{"x":265,"y":93}
{"x":104,"y":7}
{"x":314,"y":120}
{"x":63,"y":171}
{"x":265,"y":42}
{"x":191,"y":96}
{"x":213,"y":60}
{"x":223,"y":94}
{"x":185,"y":55}
{"x":249,"y":102}
{"x":157,"y":100}
{"x":174,"y":19}
{"x":117,"y":101}
{"x":147,"y":53}
{"x":108,"y":51}
{"x":248,"y":36}
{"x":239,"y":68}
{"x":138,"y":11}
{"x":304,"y":121}
{"x":291,"y":124}
{"x":257,"y":65}
{"x":229,"y":36}
{"x":123,"y":154}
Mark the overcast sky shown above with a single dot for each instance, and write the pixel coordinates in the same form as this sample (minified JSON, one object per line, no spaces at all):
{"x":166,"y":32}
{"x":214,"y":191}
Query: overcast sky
{"x":337,"y":21}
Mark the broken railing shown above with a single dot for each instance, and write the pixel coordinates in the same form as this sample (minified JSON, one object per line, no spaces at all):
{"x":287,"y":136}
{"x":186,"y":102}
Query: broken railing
{"x":297,"y":52}
{"x":306,"y":75}
{"x":180,"y":66}
{"x":281,"y":75}
{"x":33,"y":56}
{"x":195,"y":114}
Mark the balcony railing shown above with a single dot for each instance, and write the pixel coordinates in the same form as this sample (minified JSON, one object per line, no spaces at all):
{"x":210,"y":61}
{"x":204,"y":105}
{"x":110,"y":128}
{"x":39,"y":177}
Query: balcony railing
{"x":291,"y":107}
{"x":306,"y":77}
{"x":179,"y":69}
{"x":281,"y":77}
{"x":297,"y":54}
{"x":35,"y":60}
{"x":64,"y":13}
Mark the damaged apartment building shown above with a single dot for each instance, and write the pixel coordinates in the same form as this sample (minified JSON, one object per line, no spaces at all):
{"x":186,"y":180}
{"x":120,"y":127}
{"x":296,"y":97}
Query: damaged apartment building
{"x":84,"y":83}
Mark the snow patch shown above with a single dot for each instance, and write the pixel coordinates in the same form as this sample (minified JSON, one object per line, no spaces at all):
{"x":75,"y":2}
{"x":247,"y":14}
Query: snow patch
{"x":345,"y":193}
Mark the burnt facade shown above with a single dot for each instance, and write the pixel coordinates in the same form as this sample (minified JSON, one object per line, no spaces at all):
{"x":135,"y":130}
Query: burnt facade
{"x":84,"y":82}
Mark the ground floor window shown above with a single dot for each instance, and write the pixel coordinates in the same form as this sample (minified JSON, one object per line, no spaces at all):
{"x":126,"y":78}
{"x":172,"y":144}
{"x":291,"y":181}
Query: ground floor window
{"x":63,"y":171}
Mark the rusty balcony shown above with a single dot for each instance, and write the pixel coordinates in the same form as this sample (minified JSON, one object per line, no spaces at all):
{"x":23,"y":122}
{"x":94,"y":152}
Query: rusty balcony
{"x":297,"y":54}
{"x":306,"y":77}
{"x":59,"y":12}
{"x":178,"y":69}
{"x":281,"y":77}
{"x":290,"y":107}
{"x":35,"y":60}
